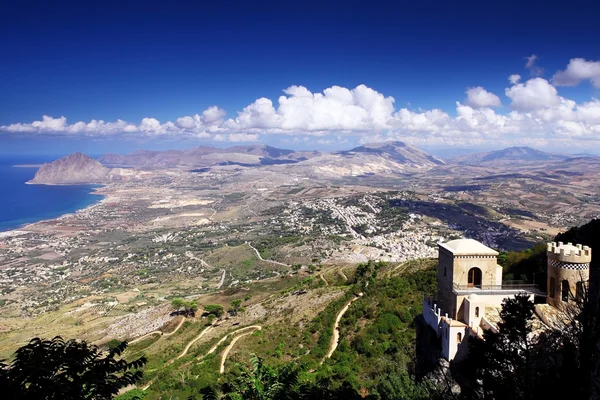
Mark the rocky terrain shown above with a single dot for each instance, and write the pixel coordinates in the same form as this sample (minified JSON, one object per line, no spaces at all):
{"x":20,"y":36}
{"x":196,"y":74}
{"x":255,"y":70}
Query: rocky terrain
{"x":76,"y":168}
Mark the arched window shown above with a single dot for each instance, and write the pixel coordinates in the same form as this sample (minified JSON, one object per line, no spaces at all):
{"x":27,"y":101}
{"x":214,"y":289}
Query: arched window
{"x":579,"y":291}
{"x":458,"y":338}
{"x":552,"y":289}
{"x":476,"y":312}
{"x":474,"y":277}
{"x":565,"y":290}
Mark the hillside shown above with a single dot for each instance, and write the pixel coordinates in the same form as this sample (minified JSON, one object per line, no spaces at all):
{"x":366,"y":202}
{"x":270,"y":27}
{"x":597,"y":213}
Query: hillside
{"x":508,"y":155}
{"x":206,"y":156}
{"x":76,"y":168}
{"x":396,"y":151}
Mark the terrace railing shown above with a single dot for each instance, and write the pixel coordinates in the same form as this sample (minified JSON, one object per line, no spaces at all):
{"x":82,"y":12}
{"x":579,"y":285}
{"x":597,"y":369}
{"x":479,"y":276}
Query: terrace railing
{"x":504,"y":287}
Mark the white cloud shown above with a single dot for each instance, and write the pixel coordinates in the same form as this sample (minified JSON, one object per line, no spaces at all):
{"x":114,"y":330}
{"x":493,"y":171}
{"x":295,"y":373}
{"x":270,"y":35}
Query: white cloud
{"x":539,"y":115}
{"x":242,"y":137}
{"x":532,"y":67}
{"x":47,"y":124}
{"x":534,"y":94}
{"x":514,"y":78}
{"x":578,"y":70}
{"x":478,"y":97}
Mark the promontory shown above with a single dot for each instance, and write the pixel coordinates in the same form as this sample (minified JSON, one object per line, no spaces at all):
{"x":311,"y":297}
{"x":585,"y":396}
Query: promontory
{"x":76,"y":168}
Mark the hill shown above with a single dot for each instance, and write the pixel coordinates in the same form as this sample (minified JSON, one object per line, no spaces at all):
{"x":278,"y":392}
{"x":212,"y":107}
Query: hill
{"x":508,"y":155}
{"x":76,"y":168}
{"x":396,"y":151}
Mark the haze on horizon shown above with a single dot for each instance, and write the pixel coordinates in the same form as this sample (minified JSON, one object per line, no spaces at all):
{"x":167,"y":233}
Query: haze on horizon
{"x":450,"y":78}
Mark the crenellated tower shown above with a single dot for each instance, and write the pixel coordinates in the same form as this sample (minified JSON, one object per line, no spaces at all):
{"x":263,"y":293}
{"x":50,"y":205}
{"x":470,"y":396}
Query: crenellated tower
{"x":568,"y":272}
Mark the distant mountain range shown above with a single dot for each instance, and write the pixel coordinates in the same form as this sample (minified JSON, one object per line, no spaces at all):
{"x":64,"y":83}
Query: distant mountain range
{"x":368,"y":159}
{"x":259,"y":155}
{"x":75,"y":168}
{"x":206,"y":156}
{"x":508,"y":155}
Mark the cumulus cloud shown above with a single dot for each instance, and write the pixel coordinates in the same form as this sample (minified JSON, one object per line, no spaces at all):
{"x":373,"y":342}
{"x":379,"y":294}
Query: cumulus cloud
{"x":514,"y":78}
{"x":532,"y":67}
{"x":578,"y":70}
{"x":538,"y":115}
{"x":534,"y":94}
{"x":478,"y":97}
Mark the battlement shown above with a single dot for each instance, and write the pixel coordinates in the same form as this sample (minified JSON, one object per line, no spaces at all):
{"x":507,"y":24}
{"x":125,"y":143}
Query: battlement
{"x":569,"y":253}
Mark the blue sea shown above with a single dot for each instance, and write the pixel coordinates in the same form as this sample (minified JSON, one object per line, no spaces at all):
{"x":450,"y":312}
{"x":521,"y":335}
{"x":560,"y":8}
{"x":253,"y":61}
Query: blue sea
{"x":22,"y":204}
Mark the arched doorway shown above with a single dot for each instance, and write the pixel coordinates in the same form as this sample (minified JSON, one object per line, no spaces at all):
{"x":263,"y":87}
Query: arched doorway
{"x":474,"y":277}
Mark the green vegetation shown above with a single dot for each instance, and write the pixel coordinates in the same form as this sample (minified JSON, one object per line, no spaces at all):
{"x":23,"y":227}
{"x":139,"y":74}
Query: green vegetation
{"x":514,"y":363}
{"x":187,"y":308}
{"x":215,"y":309}
{"x":72,"y":370}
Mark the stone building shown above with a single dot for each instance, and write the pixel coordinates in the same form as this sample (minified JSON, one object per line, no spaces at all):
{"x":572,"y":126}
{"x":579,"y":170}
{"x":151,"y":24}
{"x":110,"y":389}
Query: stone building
{"x":471,"y":290}
{"x":568,"y":273}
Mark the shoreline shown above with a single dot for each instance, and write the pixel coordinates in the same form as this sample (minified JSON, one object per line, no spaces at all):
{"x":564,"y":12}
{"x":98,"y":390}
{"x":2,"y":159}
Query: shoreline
{"x":26,"y":227}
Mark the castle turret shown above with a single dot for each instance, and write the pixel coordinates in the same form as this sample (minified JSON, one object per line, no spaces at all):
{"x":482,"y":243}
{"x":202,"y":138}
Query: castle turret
{"x":568,"y":272}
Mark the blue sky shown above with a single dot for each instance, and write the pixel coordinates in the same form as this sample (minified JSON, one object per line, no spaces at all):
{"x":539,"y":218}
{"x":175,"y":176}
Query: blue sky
{"x":163,"y":61}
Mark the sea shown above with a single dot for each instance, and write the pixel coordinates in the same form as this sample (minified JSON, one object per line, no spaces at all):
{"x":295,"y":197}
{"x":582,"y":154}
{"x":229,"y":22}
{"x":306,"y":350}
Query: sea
{"x":22,"y":204}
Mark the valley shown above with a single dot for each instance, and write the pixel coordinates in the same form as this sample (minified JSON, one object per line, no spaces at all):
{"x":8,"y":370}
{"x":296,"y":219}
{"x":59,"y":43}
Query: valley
{"x":279,"y":231}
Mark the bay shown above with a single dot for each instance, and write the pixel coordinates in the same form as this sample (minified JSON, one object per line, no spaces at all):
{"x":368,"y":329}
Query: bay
{"x":22,"y":204}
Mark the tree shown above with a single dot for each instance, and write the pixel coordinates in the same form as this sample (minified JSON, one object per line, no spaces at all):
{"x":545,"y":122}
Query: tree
{"x":55,"y":369}
{"x":503,"y":361}
{"x":189,"y":307}
{"x":215,"y":309}
{"x":177,"y":303}
{"x":236,"y":306}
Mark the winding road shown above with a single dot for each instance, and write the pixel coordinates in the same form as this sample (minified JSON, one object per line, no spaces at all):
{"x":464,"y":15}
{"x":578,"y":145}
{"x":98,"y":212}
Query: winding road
{"x":222,"y":280}
{"x":161,"y":333}
{"x":194,"y":340}
{"x":336,"y":328}
{"x":235,"y":339}
{"x":224,"y":338}
{"x":262,"y":259}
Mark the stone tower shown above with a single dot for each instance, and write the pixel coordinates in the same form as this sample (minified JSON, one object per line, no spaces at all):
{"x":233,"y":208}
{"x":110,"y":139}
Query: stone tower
{"x":568,"y":272}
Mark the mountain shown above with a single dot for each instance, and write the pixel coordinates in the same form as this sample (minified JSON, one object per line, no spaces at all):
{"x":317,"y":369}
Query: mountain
{"x":206,"y":156}
{"x":397,"y":151}
{"x":509,"y":155}
{"x":76,"y":168}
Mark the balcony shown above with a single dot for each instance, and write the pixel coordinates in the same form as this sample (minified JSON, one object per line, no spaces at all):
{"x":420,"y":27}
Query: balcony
{"x":507,"y":288}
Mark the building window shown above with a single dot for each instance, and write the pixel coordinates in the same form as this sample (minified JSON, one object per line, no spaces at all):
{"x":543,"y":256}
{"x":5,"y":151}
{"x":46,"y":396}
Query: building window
{"x":476,"y":312}
{"x":552,"y":289}
{"x":565,"y":290}
{"x":579,"y":291}
{"x":444,"y":271}
{"x":458,"y":338}
{"x":474,"y":277}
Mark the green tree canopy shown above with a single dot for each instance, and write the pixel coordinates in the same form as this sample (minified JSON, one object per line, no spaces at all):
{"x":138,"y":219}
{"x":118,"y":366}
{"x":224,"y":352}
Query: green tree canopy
{"x":72,"y":370}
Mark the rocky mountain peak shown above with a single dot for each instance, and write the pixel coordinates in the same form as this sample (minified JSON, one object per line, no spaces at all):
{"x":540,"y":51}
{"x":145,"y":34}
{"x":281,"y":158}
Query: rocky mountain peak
{"x":76,"y":168}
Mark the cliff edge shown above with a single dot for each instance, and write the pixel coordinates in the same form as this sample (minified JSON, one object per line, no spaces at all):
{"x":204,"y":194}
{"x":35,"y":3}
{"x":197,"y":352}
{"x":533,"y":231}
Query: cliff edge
{"x":73,"y":169}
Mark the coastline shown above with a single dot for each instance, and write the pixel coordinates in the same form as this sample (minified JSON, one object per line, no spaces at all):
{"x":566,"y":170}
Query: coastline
{"x":30,"y":226}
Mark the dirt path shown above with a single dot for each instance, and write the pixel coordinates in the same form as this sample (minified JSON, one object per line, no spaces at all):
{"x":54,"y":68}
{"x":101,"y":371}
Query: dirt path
{"x":226,"y":352}
{"x":342,"y":274}
{"x":262,"y":259}
{"x":158,"y":333}
{"x":194,"y":340}
{"x":224,"y":338}
{"x":222,"y":280}
{"x":336,"y":331}
{"x":323,"y":279}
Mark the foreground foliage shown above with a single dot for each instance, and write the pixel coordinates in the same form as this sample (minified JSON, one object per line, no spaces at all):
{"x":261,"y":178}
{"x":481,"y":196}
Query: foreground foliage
{"x":55,"y":369}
